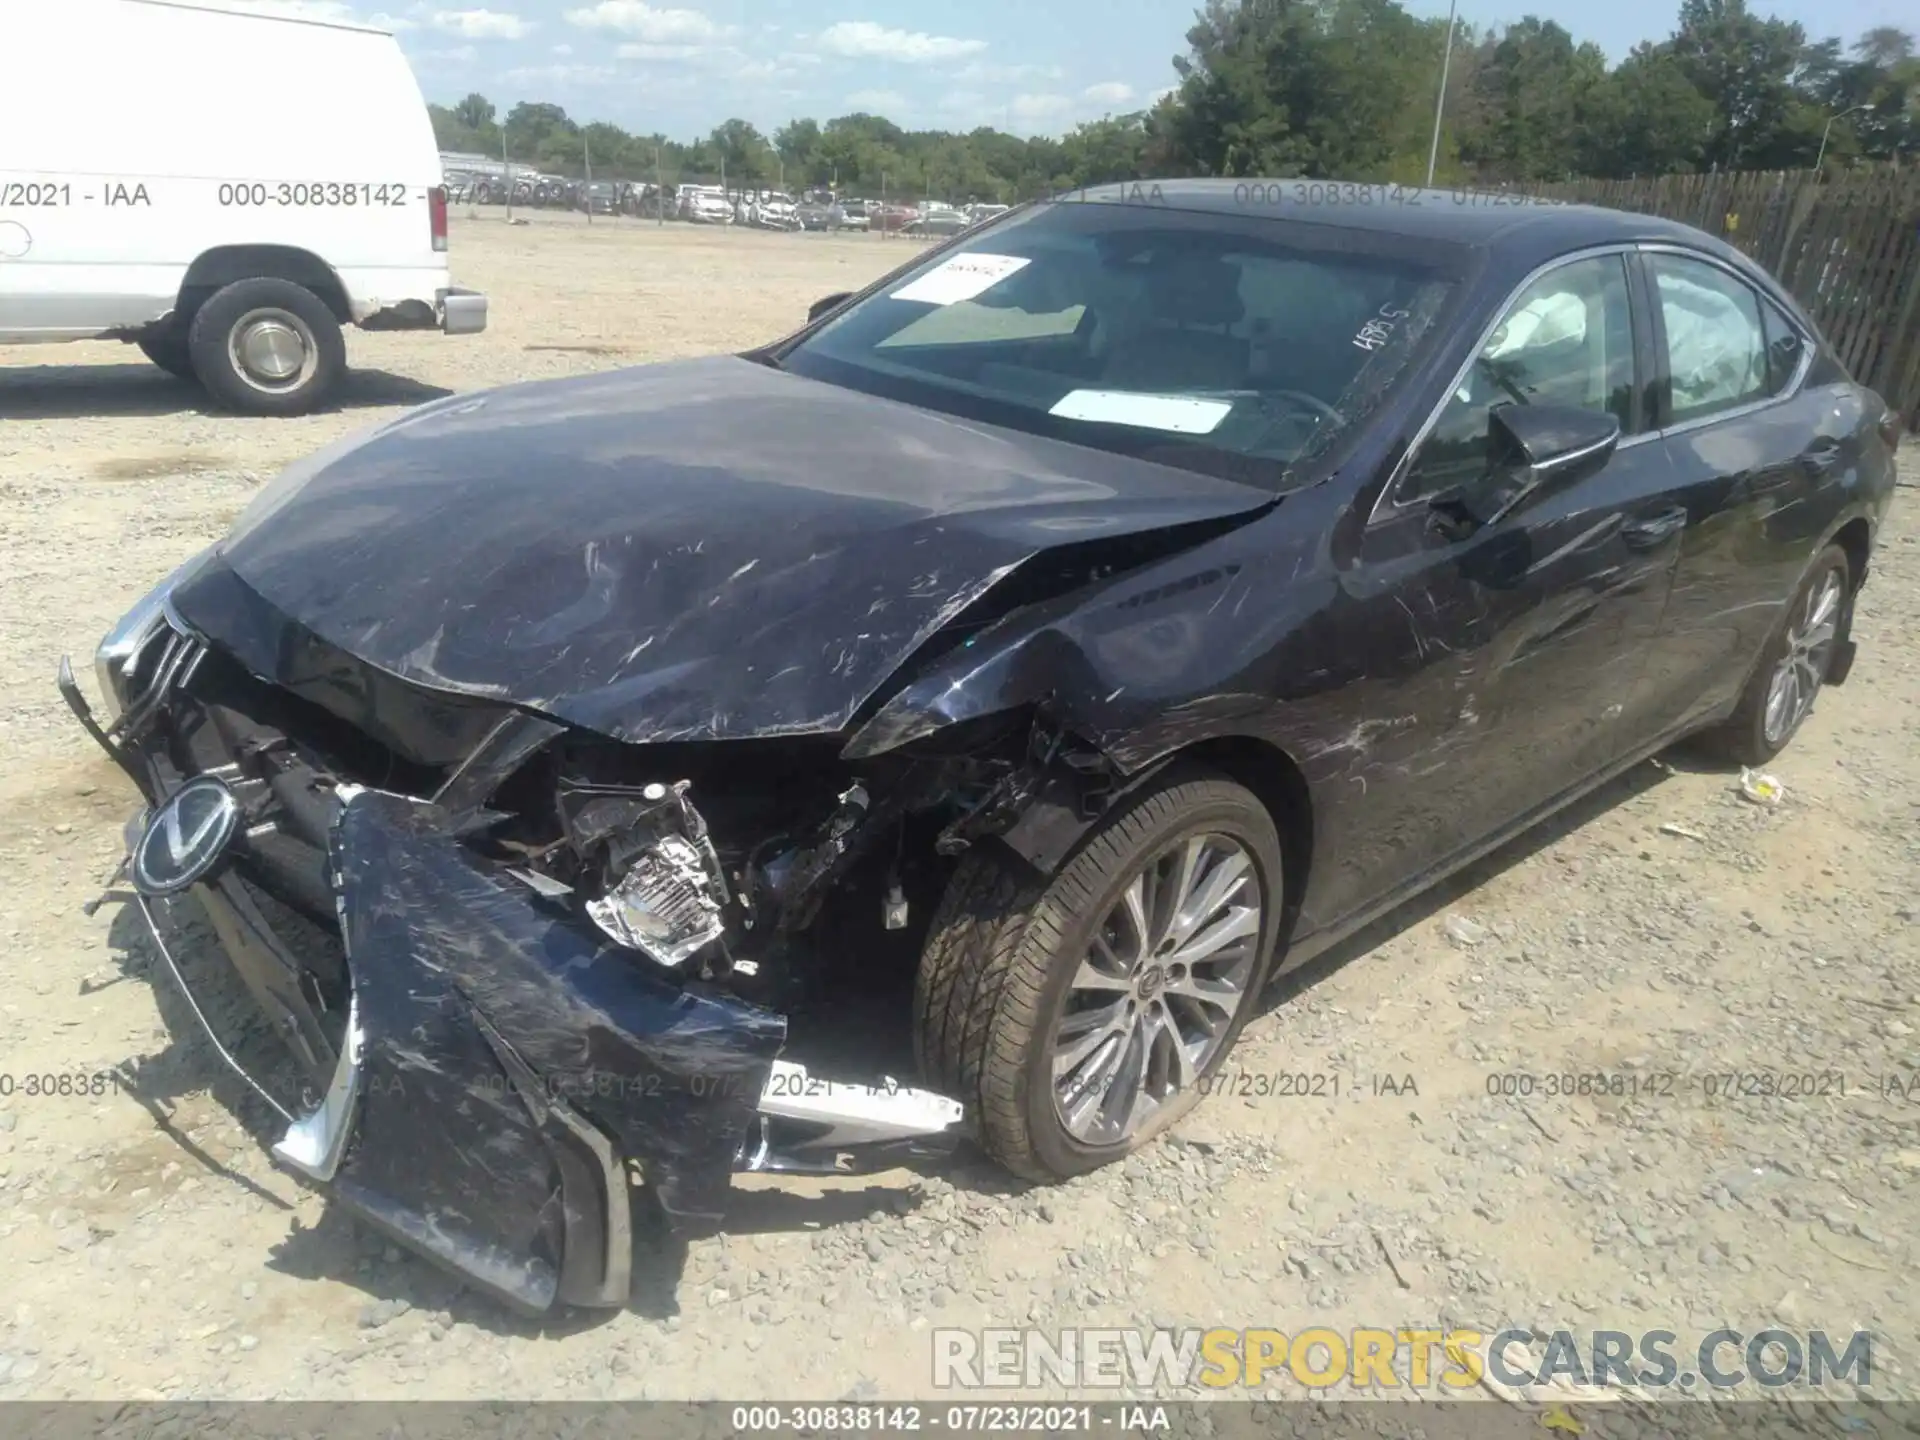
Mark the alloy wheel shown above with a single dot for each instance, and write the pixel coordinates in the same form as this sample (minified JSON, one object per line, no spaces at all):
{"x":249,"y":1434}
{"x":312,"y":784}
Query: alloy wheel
{"x":1796,"y":679}
{"x":1157,"y":993}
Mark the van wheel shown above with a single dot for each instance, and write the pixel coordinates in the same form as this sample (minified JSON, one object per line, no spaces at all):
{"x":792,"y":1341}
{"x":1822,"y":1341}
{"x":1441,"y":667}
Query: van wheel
{"x":1078,"y":1016}
{"x":167,"y":348}
{"x":267,"y":347}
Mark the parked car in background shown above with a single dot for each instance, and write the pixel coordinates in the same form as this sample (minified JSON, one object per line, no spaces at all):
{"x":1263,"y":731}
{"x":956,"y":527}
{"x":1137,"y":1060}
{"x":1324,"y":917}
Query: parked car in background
{"x":774,"y":210}
{"x":849,"y":214}
{"x":230,"y":253}
{"x":706,"y":205}
{"x":937,"y":220}
{"x":814,"y":214}
{"x":980,"y":214}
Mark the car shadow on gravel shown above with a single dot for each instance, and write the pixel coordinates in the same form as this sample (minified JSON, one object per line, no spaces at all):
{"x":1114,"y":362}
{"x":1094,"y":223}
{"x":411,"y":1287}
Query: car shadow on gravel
{"x":1451,"y":891}
{"x":70,"y":392}
{"x":187,"y":1063}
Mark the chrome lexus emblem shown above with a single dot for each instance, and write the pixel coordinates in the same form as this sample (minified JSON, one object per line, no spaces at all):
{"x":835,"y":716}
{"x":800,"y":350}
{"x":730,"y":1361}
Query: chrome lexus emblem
{"x":185,"y":837}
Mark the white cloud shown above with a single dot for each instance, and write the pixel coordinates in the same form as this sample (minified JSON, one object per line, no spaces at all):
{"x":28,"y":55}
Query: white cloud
{"x":1038,"y":107}
{"x":1109,"y":92}
{"x":637,"y":50}
{"x":963,"y":102}
{"x":563,"y":49}
{"x":877,"y":102}
{"x":864,"y":40}
{"x":482,"y":24}
{"x":647,"y":24}
{"x":461,"y":55}
{"x":561,"y":75}
{"x":980,"y":72}
{"x":728,"y":62}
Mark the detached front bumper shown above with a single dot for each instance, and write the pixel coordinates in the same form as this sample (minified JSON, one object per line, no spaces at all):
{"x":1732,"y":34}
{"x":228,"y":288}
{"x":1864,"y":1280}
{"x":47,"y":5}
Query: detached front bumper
{"x":503,"y":1063}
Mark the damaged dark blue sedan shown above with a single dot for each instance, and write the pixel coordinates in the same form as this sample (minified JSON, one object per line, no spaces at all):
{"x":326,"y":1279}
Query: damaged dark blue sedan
{"x":1112,"y":606}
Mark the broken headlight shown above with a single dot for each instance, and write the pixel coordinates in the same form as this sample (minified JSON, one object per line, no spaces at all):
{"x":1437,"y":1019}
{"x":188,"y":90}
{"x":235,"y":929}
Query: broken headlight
{"x":661,"y":883}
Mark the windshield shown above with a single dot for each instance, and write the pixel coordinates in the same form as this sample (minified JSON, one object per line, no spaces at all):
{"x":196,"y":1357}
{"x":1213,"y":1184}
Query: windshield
{"x":1242,"y":347}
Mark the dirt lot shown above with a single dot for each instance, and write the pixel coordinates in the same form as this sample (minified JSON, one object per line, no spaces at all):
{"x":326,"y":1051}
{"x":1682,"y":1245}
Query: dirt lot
{"x":148,"y":1248}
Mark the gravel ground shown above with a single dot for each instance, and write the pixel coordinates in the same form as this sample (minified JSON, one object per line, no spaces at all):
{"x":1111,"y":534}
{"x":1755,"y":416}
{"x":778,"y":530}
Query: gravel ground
{"x":149,"y":1249}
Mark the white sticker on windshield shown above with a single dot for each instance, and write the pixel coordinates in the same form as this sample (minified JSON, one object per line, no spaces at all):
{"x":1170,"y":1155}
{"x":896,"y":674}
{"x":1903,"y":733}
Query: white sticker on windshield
{"x":1181,"y":414}
{"x":961,"y":278}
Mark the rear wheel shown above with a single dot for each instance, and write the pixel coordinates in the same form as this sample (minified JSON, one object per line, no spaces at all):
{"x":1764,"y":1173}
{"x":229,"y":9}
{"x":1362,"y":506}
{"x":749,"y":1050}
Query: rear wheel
{"x":1780,"y":694}
{"x":267,"y":347}
{"x":1078,"y":1016}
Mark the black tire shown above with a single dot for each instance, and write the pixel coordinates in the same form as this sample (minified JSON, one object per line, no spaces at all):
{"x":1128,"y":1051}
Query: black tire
{"x":167,"y":348}
{"x":1003,"y":949}
{"x":1743,"y":739}
{"x":214,"y":334}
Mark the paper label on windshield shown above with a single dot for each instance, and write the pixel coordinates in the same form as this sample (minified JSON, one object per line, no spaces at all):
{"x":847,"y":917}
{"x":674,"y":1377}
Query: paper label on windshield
{"x":1181,"y":414}
{"x":961,"y":278}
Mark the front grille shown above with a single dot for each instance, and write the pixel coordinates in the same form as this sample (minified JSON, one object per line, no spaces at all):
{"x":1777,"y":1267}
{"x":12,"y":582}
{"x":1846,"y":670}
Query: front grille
{"x":232,"y":686}
{"x":194,"y":709}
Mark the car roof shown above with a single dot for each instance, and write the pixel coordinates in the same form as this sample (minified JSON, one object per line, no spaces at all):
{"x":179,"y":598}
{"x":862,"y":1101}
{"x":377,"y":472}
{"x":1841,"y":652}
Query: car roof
{"x":1523,"y":229}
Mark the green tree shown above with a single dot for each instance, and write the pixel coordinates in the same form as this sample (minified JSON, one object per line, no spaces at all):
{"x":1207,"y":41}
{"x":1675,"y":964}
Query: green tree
{"x":475,"y":112}
{"x":1538,"y":96}
{"x":1745,"y":67}
{"x":1650,"y":119}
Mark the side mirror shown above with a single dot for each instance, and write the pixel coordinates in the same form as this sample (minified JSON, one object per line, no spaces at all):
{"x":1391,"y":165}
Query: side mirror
{"x":1532,"y":451}
{"x":826,"y":303}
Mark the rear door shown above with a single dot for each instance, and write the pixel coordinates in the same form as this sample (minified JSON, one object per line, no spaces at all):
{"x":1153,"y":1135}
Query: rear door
{"x":1756,"y":459}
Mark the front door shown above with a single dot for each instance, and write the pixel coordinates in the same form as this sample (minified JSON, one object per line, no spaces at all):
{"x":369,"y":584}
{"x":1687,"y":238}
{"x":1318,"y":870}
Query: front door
{"x":1517,"y":648}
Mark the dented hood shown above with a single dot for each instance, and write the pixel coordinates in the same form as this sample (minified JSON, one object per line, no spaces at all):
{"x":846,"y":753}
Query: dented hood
{"x":695,"y":550}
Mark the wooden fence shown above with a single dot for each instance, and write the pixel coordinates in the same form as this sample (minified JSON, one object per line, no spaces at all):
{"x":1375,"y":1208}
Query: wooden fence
{"x":1846,"y":243}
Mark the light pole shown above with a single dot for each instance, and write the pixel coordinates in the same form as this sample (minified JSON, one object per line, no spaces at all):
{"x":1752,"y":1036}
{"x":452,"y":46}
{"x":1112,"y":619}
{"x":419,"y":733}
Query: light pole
{"x":1839,"y":115}
{"x":1440,"y":105}
{"x":508,"y":164}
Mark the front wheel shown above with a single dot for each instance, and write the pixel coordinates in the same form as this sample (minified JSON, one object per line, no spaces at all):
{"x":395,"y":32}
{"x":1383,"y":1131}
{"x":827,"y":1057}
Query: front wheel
{"x":1079,"y":1016}
{"x":267,"y":347}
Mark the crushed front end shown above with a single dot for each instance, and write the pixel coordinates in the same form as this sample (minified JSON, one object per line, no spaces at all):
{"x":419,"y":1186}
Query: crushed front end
{"x":530,"y":960}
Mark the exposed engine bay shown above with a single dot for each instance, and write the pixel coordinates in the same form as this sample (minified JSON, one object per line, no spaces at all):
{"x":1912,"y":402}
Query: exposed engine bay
{"x":721,"y":871}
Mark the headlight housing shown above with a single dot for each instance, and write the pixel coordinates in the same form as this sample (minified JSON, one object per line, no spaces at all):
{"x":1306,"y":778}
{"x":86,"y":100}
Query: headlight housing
{"x":128,"y":647}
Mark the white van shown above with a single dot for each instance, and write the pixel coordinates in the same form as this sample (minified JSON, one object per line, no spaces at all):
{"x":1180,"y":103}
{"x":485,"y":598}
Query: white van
{"x":225,"y":187}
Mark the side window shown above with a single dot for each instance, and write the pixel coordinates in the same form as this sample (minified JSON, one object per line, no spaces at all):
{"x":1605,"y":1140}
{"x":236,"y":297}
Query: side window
{"x":1567,"y":339}
{"x":1785,"y":347}
{"x":1716,"y":348}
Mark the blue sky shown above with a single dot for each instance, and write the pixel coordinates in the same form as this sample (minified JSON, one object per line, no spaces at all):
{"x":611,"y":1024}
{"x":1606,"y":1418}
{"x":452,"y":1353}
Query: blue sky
{"x":1029,"y":66}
